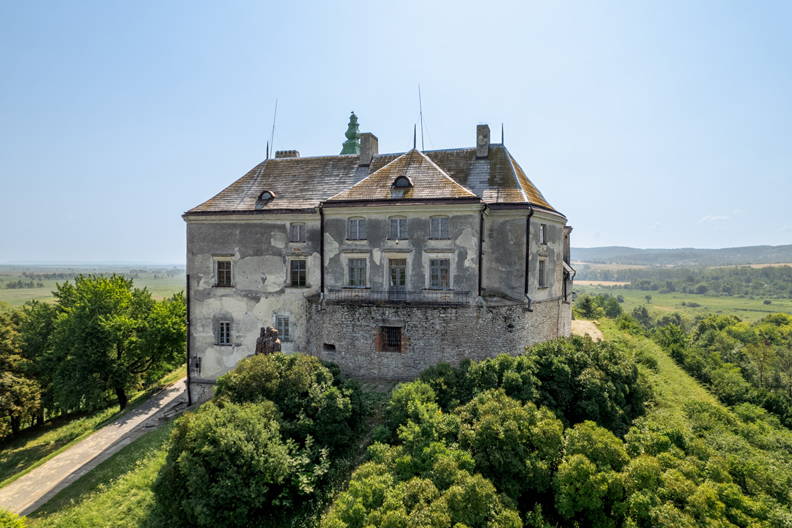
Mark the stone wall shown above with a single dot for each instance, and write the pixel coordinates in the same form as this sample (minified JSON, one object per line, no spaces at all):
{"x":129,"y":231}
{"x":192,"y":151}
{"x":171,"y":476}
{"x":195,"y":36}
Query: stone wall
{"x":350,"y":335}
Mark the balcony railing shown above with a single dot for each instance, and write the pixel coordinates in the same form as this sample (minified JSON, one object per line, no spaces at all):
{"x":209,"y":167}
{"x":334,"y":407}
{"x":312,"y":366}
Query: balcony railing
{"x":367,"y":296}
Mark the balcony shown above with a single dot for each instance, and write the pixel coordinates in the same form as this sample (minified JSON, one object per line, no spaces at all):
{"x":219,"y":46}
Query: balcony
{"x":397,"y":297}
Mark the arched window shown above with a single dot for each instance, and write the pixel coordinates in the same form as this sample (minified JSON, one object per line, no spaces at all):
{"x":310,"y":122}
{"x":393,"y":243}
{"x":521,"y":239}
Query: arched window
{"x":266,"y":196}
{"x":402,"y":182}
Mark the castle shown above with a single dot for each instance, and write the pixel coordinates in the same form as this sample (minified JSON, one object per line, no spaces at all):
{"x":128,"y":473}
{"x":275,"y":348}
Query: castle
{"x":382,"y":263}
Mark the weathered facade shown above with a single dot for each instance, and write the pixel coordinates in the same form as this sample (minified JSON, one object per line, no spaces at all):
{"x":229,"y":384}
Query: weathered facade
{"x":385,"y":264}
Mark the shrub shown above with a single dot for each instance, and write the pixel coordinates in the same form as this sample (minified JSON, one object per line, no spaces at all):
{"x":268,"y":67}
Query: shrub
{"x":9,"y":519}
{"x":229,"y":466}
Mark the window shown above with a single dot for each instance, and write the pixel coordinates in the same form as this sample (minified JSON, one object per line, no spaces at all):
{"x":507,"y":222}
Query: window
{"x":357,"y":229}
{"x":282,"y":326}
{"x":398,"y":229}
{"x":266,"y":196}
{"x":297,"y":233}
{"x":223,"y":274}
{"x":440,"y":273}
{"x":357,"y":272}
{"x":542,"y":283}
{"x":298,"y":274}
{"x":391,"y":339}
{"x":439,"y":227}
{"x":224,"y":333}
{"x":542,"y":234}
{"x":403,"y":182}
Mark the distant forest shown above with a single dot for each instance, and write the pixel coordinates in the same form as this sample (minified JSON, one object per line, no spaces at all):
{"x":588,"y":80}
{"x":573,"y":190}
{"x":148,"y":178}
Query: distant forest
{"x":770,"y":282}
{"x":684,"y":256}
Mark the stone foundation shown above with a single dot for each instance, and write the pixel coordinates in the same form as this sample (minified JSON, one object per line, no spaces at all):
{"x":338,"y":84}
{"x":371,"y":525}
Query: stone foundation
{"x":352,"y":335}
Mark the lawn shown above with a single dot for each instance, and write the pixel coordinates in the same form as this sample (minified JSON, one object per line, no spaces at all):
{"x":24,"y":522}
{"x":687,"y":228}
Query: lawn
{"x":750,"y":310}
{"x":36,"y":445}
{"x":155,"y":278}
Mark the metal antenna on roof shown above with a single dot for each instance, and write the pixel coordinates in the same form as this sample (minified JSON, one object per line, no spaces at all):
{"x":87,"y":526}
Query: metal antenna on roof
{"x":272,"y":137}
{"x":420,"y":110}
{"x":267,"y":149}
{"x":502,"y":134}
{"x":414,"y":135}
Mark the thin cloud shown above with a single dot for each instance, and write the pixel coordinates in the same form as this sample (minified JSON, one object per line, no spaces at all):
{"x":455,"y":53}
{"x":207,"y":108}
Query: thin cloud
{"x":655,"y":225}
{"x":786,"y":229}
{"x":711,"y":218}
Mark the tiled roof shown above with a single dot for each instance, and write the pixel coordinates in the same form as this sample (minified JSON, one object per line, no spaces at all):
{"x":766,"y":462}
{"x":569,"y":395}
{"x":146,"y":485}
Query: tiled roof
{"x":428,"y":182}
{"x":303,"y":183}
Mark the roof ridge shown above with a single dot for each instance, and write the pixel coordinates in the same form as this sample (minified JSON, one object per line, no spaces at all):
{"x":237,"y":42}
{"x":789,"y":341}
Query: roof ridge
{"x":514,"y":173}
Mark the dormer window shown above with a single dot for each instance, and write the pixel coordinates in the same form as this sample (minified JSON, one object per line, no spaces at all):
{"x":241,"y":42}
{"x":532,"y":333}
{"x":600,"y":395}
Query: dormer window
{"x":266,"y":196}
{"x":402,"y":182}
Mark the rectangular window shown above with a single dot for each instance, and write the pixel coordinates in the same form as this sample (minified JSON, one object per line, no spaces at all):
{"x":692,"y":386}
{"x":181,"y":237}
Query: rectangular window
{"x":357,"y":272}
{"x":357,"y":229}
{"x":297,"y":233}
{"x":439,"y":228}
{"x":391,"y":339}
{"x":440,"y":273}
{"x":398,"y":229}
{"x":298,"y":273}
{"x":542,"y":234}
{"x":223,"y":273}
{"x":542,"y":283}
{"x":282,"y":326}
{"x":224,"y":333}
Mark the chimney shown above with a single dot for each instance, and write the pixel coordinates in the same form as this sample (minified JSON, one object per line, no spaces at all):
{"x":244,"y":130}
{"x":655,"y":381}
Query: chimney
{"x":482,"y":141}
{"x":287,"y":154}
{"x":369,"y":147}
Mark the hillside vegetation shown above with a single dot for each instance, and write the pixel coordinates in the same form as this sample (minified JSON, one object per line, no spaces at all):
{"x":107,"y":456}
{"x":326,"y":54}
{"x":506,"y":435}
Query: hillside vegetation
{"x":685,"y":256}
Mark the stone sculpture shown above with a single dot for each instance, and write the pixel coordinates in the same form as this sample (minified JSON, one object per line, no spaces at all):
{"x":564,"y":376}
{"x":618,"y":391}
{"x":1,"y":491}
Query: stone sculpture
{"x":268,"y":341}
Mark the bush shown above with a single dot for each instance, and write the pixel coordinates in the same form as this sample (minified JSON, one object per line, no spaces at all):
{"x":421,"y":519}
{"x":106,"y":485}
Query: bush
{"x":229,"y":466}
{"x":11,"y":520}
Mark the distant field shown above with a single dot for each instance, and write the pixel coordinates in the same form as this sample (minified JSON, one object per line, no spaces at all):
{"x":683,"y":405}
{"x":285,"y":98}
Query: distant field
{"x":759,"y":266}
{"x":594,"y":265}
{"x":600,"y":283}
{"x":156,"y":279}
{"x":746,"y":309}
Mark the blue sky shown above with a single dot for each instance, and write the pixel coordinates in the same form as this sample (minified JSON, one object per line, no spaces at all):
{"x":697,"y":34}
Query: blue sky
{"x":649,"y":124}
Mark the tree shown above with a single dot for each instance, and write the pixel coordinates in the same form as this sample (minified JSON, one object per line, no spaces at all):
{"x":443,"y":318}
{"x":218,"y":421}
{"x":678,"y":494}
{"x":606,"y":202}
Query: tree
{"x":108,"y":336}
{"x":35,"y":332}
{"x":20,"y":396}
{"x":648,"y":299}
{"x":585,"y":305}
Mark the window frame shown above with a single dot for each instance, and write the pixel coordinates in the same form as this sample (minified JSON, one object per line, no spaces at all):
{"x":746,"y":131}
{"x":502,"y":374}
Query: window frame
{"x":391,"y":331}
{"x":436,"y":280}
{"x":543,"y":234}
{"x":442,"y":221}
{"x":541,"y":274}
{"x":359,"y":222}
{"x":292,"y":271}
{"x":223,"y":333}
{"x":360,"y":278}
{"x":401,"y":232}
{"x":284,"y":329}
{"x":228,"y":274}
{"x":300,"y":232}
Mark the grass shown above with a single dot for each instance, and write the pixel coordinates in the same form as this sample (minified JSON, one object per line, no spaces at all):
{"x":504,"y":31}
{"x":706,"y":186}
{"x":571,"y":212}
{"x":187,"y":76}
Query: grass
{"x":750,"y":310}
{"x":37,"y":445}
{"x":116,"y":493}
{"x":160,"y":287}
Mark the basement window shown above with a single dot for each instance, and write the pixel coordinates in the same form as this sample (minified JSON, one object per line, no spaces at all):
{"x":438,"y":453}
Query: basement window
{"x":391,"y":338}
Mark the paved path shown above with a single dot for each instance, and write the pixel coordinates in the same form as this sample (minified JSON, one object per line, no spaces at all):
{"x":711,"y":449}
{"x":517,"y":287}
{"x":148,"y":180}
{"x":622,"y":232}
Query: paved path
{"x":583,"y":328}
{"x":28,"y":493}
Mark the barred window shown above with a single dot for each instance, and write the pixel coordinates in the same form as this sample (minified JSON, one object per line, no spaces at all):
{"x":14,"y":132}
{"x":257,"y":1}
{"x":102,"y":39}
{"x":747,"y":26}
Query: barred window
{"x":297,"y":233}
{"x":357,"y":229}
{"x":439,"y":227}
{"x":542,"y":283}
{"x":224,"y":333}
{"x":391,"y":338}
{"x":440,"y":273}
{"x":282,"y":325}
{"x":298,"y":273}
{"x":223,"y":273}
{"x":357,"y":272}
{"x":398,"y":229}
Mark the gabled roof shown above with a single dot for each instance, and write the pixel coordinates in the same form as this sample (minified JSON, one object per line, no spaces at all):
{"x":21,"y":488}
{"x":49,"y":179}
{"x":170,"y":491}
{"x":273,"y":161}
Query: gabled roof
{"x":301,"y":184}
{"x":428,"y":182}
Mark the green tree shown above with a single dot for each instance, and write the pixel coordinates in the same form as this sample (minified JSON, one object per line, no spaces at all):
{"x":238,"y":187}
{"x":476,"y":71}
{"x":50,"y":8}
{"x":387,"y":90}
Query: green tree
{"x":109,"y":336}
{"x":586,"y":306}
{"x":20,"y":396}
{"x":35,"y":332}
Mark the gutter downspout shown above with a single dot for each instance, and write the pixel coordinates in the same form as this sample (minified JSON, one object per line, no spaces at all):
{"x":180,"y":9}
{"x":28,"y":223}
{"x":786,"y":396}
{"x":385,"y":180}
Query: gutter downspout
{"x":321,"y":256}
{"x":528,"y":253}
{"x":189,"y":392}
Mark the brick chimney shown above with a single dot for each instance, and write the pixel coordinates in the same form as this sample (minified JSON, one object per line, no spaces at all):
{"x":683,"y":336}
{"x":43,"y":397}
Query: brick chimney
{"x":287,"y":154}
{"x":482,"y":141}
{"x":369,"y":147}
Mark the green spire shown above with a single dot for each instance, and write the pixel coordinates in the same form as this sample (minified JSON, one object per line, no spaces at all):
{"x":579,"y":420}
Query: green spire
{"x":352,"y":144}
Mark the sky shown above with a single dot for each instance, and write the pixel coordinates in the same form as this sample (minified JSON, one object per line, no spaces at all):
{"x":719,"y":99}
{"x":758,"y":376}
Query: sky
{"x":648,"y":124}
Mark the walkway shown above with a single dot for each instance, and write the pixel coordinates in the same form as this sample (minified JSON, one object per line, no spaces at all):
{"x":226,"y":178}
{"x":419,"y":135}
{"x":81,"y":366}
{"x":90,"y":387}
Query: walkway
{"x":28,"y":493}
